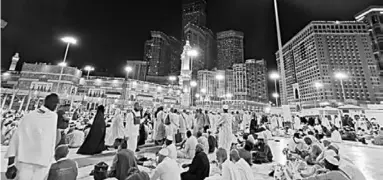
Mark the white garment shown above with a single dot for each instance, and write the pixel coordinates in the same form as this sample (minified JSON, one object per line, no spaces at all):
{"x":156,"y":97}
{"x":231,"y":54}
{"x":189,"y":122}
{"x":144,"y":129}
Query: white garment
{"x":326,"y":123}
{"x":297,"y":123}
{"x":168,"y":169}
{"x":172,"y":151}
{"x":225,"y":131}
{"x":203,"y":140}
{"x":175,"y":122}
{"x":230,"y":171}
{"x":190,"y":146}
{"x":35,"y":139}
{"x":245,"y":170}
{"x":132,"y":143}
{"x":337,"y":122}
{"x":336,"y":137}
{"x":132,"y":129}
{"x":116,"y":130}
{"x":213,"y":121}
{"x":28,"y":171}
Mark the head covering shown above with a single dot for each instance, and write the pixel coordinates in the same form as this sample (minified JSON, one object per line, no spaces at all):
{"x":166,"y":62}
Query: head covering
{"x":169,"y":137}
{"x":62,"y":151}
{"x":330,"y":157}
{"x":225,"y":106}
{"x":164,"y":152}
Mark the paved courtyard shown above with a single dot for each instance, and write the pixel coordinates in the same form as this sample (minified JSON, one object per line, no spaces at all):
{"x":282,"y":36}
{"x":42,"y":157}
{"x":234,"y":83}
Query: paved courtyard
{"x":368,"y":158}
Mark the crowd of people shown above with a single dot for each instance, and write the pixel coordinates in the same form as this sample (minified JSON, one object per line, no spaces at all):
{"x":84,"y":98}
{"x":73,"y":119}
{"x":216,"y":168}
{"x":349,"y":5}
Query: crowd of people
{"x":218,"y":145}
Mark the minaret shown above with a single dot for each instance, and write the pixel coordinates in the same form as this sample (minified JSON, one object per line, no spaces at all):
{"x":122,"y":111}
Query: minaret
{"x":15,"y":59}
{"x":185,"y":77}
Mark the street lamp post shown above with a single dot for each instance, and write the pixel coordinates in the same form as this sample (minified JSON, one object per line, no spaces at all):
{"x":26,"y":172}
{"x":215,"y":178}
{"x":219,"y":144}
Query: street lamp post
{"x":276,"y":95}
{"x":318,"y":86}
{"x":88,"y":69}
{"x":280,"y":53}
{"x":193,"y":84}
{"x":341,"y":76}
{"x":172,"y":79}
{"x":128,"y":69}
{"x":69,"y":41}
{"x":275,"y":76}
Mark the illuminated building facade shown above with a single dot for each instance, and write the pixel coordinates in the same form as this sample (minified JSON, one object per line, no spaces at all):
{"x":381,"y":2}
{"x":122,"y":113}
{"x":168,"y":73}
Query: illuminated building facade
{"x":229,"y":48}
{"x":317,"y":53}
{"x":256,"y":73}
{"x":373,"y":18}
{"x":26,"y":89}
{"x":139,"y":69}
{"x":160,"y":51}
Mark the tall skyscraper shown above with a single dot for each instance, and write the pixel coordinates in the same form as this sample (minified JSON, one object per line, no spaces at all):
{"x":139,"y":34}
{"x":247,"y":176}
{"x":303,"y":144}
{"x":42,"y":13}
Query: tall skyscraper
{"x":256,"y":72}
{"x":240,"y":81}
{"x":318,"y":52}
{"x":373,"y":18}
{"x":202,"y":40}
{"x":230,"y":48}
{"x":193,"y":11}
{"x":139,"y":69}
{"x":160,"y":51}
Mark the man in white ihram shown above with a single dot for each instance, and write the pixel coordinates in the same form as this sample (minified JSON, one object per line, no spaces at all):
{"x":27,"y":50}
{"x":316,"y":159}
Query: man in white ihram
{"x":132,"y":126}
{"x":31,"y":150}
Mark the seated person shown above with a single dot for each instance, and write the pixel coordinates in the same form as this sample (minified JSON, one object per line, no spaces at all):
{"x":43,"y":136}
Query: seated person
{"x":245,"y":152}
{"x":122,"y":162}
{"x":360,"y":135}
{"x":378,"y":140}
{"x":199,"y":168}
{"x":167,"y":168}
{"x":202,"y":139}
{"x":313,"y":152}
{"x":63,"y":168}
{"x":262,"y":152}
{"x":171,"y":147}
{"x":75,"y":137}
{"x":229,"y":170}
{"x":188,"y":151}
{"x":243,"y":167}
{"x":335,"y":135}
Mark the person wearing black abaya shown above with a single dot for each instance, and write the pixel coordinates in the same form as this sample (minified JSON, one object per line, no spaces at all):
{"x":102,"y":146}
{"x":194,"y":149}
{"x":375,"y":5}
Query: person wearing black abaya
{"x":95,"y":141}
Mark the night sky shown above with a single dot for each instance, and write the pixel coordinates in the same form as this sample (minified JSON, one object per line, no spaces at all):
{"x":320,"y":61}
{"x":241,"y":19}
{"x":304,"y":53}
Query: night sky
{"x":112,"y":31}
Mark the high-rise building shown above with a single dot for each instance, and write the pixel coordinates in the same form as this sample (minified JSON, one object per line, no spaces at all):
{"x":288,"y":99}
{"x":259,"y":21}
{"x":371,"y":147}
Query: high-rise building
{"x":193,"y":11}
{"x":373,"y":18}
{"x":317,"y":53}
{"x":229,"y":48}
{"x":215,"y":87}
{"x":160,"y":51}
{"x":139,"y":69}
{"x":256,"y":73}
{"x":240,"y":81}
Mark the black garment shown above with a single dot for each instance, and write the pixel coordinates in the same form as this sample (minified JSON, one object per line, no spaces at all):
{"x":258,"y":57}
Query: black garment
{"x":62,"y":122}
{"x":253,"y":125}
{"x":212,"y":143}
{"x":142,"y":135}
{"x":199,"y":168}
{"x":95,"y":141}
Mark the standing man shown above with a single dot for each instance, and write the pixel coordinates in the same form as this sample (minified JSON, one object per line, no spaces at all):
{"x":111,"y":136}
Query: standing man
{"x":33,"y":144}
{"x":200,"y":122}
{"x":225,"y":130}
{"x":133,"y":120}
{"x":62,"y":123}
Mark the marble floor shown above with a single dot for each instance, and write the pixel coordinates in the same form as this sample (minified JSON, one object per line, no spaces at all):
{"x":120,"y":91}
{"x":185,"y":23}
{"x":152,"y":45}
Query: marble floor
{"x":369,"y":159}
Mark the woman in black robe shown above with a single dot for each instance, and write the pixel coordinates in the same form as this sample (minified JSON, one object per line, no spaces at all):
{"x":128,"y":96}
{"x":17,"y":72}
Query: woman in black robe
{"x":95,"y":141}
